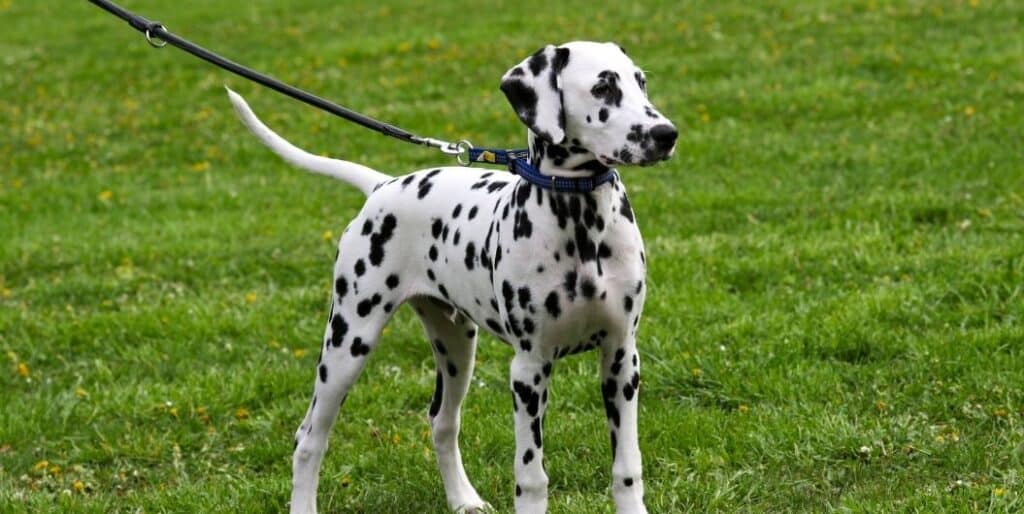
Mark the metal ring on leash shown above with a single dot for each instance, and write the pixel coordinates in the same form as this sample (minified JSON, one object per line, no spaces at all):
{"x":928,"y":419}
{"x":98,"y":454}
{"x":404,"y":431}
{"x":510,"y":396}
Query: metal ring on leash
{"x":463,"y":147}
{"x":150,"y":39}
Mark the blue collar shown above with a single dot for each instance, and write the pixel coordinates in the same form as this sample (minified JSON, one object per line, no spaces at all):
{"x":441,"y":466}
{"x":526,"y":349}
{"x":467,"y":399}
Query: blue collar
{"x":518,"y":162}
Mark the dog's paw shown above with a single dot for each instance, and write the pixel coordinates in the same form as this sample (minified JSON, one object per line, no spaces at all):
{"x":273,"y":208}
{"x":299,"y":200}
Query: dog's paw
{"x":476,"y":508}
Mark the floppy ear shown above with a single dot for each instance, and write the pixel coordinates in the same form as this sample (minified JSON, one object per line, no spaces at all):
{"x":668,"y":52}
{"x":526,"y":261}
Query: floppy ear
{"x":534,"y":88}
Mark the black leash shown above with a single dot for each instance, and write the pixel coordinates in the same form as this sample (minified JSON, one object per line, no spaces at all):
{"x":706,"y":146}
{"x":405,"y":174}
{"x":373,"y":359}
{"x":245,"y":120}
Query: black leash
{"x":158,"y":36}
{"x":516,"y":160}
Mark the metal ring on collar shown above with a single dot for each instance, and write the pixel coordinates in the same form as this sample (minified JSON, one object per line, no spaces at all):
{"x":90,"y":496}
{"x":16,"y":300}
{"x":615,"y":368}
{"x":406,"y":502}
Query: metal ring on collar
{"x":159,"y":43}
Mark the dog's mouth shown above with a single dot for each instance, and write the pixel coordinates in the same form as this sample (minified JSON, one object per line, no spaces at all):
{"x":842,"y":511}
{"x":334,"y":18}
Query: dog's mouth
{"x":649,"y":157}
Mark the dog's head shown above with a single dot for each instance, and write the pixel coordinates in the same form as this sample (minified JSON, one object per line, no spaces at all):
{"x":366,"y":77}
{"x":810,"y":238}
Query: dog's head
{"x":592,"y":96}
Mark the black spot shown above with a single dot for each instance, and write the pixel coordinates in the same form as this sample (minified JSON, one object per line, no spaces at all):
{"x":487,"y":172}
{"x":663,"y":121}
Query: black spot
{"x":628,"y":303}
{"x":323,"y":373}
{"x":340,"y":287}
{"x":528,"y":325}
{"x":588,"y":289}
{"x":558,"y":63}
{"x":388,"y":306}
{"x":519,"y":490}
{"x":523,"y":99}
{"x":358,"y":348}
{"x":570,"y":284}
{"x":538,"y":439}
{"x":617,"y":364}
{"x":367,"y":305}
{"x":379,"y":239}
{"x":360,"y":268}
{"x":608,"y":391}
{"x":392,"y":281}
{"x":430,"y":275}
{"x":456,"y":211}
{"x":538,"y":61}
{"x":472,"y":212}
{"x":628,"y":482}
{"x":338,"y":330}
{"x":367,"y":227}
{"x":547,"y":369}
{"x":408,"y":180}
{"x":527,"y":457}
{"x":435,"y":405}
{"x":440,"y":347}
{"x":527,"y":396}
{"x":470,"y":255}
{"x":432,"y":253}
{"x":436,"y":227}
{"x":551,"y":304}
{"x":494,"y":326}
{"x":452,"y":370}
{"x":471,"y":333}
{"x":625,"y":209}
{"x":523,"y":294}
{"x":443,"y":290}
{"x":494,"y":186}
{"x":525,"y":345}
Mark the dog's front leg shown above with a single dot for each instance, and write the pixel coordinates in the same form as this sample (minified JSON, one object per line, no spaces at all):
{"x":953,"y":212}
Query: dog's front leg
{"x":620,"y":388}
{"x":529,"y":399}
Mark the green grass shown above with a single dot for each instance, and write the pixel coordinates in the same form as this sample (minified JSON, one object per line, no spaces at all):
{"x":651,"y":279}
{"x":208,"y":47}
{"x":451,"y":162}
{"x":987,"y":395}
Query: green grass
{"x":835,"y":318}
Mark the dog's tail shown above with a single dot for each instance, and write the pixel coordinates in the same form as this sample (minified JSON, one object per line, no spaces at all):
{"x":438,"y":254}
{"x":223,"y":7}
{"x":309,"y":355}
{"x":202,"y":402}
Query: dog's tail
{"x":363,"y":178}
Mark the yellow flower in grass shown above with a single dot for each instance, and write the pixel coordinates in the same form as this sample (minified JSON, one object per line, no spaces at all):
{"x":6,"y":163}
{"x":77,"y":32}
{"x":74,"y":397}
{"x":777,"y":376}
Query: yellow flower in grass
{"x":299,"y":352}
{"x":999,"y":491}
{"x":78,"y":486}
{"x":328,"y":235}
{"x":105,"y":195}
{"x":23,"y":370}
{"x":241,"y":413}
{"x":200,"y":166}
{"x":41,"y":465}
{"x":969,"y":111}
{"x":250,"y":297}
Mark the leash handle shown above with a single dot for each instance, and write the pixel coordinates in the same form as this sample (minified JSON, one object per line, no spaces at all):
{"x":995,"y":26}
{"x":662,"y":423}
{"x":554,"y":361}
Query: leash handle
{"x":153,"y":30}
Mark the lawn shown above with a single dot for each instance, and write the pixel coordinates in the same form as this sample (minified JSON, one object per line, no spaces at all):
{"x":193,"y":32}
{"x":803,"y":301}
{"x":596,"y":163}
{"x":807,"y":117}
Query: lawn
{"x":835,"y":316}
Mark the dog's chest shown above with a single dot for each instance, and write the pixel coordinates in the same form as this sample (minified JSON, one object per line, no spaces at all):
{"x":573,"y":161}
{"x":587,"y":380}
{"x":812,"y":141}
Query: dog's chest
{"x":566,"y":266}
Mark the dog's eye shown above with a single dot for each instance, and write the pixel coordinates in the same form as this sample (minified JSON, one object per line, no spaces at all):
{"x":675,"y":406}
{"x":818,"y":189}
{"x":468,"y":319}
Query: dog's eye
{"x":599,"y":90}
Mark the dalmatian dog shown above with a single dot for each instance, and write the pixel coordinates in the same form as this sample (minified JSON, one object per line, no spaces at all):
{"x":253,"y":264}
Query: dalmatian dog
{"x":550,"y":273}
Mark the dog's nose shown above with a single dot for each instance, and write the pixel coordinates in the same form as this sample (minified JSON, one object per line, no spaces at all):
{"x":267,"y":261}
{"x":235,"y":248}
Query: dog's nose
{"x":664,"y":135}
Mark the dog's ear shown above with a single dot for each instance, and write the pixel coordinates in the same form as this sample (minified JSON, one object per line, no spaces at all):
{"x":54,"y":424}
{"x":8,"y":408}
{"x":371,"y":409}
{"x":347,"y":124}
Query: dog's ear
{"x":534,"y":88}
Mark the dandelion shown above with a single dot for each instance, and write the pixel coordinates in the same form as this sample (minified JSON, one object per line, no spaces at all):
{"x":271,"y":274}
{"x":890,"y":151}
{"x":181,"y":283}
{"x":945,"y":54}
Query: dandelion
{"x":78,"y":486}
{"x":743,"y":408}
{"x":697,"y":372}
{"x":41,"y":465}
{"x":299,"y":353}
{"x":395,"y":439}
{"x":81,"y":393}
{"x":880,"y":406}
{"x":250,"y":298}
{"x":241,"y":413}
{"x":106,"y":195}
{"x":404,"y":47}
{"x":969,"y":111}
{"x":328,"y":235}
{"x":173,"y":412}
{"x":434,"y":43}
{"x":23,"y":370}
{"x":999,"y":491}
{"x":200,"y":166}
{"x":1000,"y":412}
{"x":5,"y":292}
{"x":345,"y":481}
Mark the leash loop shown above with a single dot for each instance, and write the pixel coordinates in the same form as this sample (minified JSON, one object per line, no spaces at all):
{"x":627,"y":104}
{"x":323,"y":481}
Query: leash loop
{"x":160,"y":43}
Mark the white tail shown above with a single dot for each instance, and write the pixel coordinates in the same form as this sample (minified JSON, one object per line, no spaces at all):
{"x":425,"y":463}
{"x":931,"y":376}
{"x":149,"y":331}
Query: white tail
{"x":363,"y":178}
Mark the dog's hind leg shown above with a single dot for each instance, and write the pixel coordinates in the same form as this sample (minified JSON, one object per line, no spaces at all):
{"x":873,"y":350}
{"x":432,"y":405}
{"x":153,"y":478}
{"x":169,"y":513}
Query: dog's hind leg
{"x":453,"y":338}
{"x":362,"y":304}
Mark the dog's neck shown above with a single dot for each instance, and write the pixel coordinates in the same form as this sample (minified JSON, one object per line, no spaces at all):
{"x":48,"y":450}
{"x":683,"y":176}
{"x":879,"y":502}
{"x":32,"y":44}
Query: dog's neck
{"x":563,"y":160}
